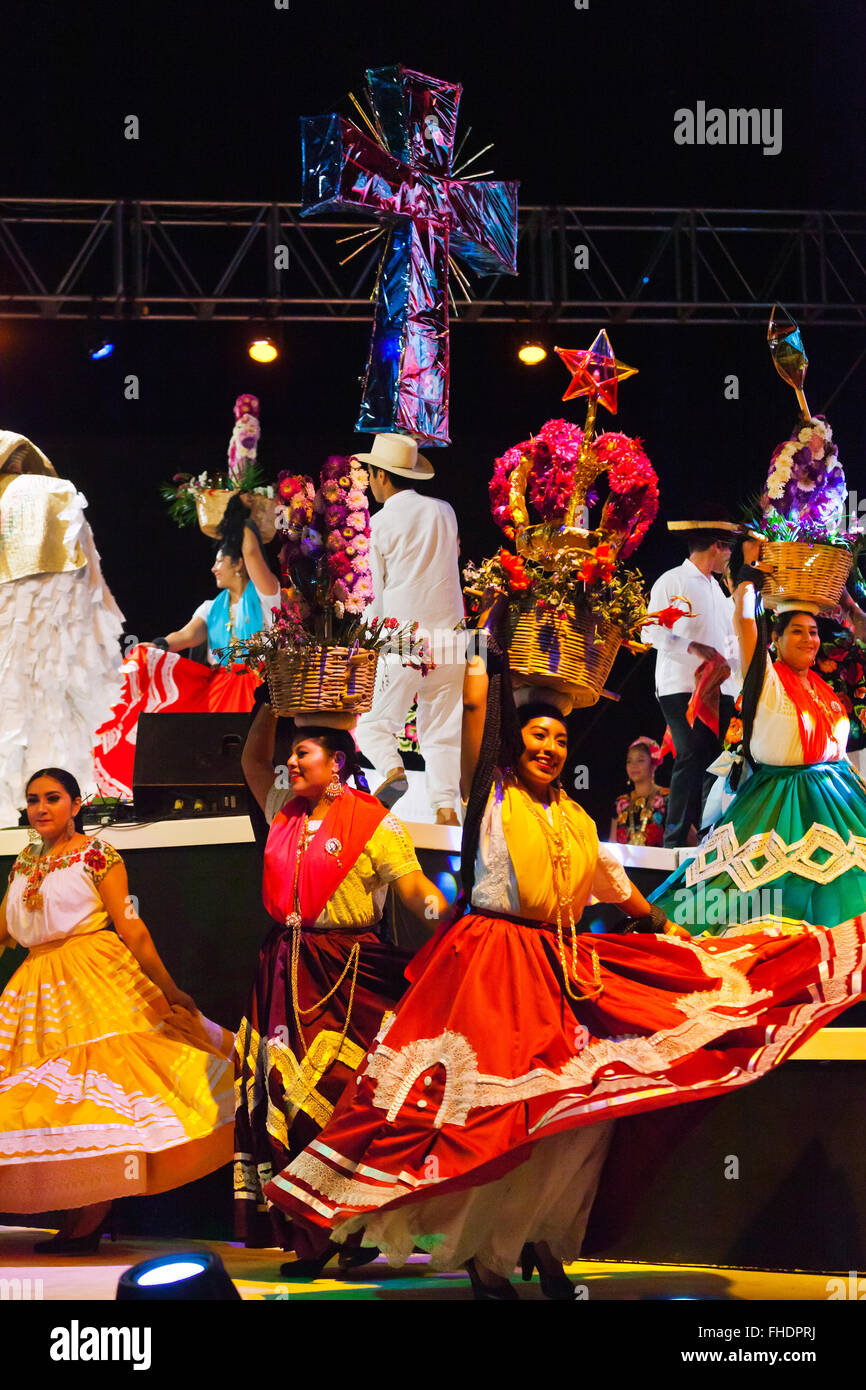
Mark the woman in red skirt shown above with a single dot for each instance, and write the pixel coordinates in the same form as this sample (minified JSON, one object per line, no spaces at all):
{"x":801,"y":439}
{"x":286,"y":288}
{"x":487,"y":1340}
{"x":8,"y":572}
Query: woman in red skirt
{"x":325,"y":977}
{"x":479,"y":1123}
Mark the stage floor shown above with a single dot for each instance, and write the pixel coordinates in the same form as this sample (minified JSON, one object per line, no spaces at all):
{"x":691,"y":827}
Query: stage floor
{"x":256,"y":1274}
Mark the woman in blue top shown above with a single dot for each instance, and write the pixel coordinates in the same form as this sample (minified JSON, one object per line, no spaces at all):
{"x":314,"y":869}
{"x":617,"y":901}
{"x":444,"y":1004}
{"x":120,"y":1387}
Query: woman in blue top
{"x":157,"y":679}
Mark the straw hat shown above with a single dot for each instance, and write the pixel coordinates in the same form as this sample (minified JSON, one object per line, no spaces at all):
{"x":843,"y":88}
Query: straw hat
{"x":397,"y":453}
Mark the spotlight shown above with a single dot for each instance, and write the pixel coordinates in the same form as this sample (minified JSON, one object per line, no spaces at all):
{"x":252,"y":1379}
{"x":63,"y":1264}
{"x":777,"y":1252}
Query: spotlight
{"x":105,"y":349}
{"x":189,"y":1276}
{"x":263,"y":350}
{"x":531,"y":353}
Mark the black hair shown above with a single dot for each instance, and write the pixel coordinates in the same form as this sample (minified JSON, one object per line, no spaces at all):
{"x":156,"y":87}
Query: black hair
{"x":230,"y":532}
{"x":335,"y":741}
{"x":703,"y":538}
{"x":753,"y":683}
{"x":501,"y":747}
{"x":394,"y":478}
{"x":644,"y":746}
{"x":67,"y":782}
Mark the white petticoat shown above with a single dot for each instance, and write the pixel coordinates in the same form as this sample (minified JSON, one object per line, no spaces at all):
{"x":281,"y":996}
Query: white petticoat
{"x":547,"y":1198}
{"x":59,"y":670}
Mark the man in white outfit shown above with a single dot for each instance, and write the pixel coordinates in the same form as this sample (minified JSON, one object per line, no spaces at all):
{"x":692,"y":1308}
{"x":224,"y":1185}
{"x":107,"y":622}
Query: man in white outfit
{"x":413,"y":558}
{"x":707,"y":636}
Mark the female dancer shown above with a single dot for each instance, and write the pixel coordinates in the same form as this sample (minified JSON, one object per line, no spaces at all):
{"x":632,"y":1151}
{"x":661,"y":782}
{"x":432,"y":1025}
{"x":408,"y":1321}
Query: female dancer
{"x":101,"y":1093}
{"x":53,"y":598}
{"x":477,"y":1125}
{"x":325,"y":977}
{"x":791,"y":847}
{"x":156,"y":679}
{"x":640,"y":814}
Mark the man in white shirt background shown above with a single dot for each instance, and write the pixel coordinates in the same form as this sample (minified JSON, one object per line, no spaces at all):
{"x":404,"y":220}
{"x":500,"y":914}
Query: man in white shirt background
{"x":707,"y":636}
{"x":413,"y":558}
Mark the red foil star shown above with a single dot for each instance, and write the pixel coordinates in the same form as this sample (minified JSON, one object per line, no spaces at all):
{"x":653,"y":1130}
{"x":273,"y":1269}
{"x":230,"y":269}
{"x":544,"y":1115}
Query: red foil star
{"x":595,"y":372}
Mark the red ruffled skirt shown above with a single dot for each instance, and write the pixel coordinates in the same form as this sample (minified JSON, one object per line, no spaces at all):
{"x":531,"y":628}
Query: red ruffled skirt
{"x":157,"y":682}
{"x":487,"y":1058}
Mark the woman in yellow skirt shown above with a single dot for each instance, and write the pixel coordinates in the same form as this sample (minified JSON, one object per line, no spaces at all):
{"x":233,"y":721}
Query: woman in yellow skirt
{"x":111,"y":1084}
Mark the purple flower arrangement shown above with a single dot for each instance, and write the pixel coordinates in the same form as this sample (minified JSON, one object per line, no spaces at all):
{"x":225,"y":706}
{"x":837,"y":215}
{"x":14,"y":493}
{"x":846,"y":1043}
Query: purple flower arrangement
{"x":806,"y":484}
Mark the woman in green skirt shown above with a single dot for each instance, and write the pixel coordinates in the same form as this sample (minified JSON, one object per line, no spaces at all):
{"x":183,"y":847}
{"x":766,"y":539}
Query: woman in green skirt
{"x":791,"y":848}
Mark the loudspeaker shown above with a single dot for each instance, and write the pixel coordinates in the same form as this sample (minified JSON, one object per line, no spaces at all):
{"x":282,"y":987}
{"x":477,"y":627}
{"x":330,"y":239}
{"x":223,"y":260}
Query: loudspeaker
{"x":189,"y":765}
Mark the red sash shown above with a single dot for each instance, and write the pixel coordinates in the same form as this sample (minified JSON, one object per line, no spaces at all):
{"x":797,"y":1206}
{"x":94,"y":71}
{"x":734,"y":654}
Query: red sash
{"x":332,"y":852}
{"x":818,"y":710}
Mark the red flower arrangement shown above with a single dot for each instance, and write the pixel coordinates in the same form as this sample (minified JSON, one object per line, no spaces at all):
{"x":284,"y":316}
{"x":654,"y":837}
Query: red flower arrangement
{"x":628,"y":512}
{"x":554,"y":451}
{"x":599,"y":564}
{"x":633,"y":503}
{"x":515,"y":569}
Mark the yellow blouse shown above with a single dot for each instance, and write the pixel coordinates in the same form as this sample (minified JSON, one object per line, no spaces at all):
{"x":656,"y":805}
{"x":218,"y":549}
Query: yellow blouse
{"x":388,"y":855}
{"x":513,"y":870}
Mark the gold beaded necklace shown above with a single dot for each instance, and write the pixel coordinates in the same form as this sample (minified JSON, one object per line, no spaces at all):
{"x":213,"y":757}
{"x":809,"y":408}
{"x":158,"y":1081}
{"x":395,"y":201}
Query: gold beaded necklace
{"x":556,"y":839}
{"x":294,"y":920}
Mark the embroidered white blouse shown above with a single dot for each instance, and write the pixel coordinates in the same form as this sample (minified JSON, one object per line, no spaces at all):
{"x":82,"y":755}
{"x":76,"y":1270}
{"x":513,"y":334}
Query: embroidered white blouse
{"x":776,"y":732}
{"x":70,"y":901}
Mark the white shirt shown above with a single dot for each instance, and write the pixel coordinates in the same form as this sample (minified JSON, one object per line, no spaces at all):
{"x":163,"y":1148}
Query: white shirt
{"x":267,"y":601}
{"x":413,"y":560}
{"x":713,"y":626}
{"x":776,"y":730}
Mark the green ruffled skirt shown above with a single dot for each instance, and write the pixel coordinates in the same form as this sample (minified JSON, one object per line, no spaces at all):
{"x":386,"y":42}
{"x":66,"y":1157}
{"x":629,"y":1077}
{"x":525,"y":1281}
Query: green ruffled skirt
{"x":790,"y":850}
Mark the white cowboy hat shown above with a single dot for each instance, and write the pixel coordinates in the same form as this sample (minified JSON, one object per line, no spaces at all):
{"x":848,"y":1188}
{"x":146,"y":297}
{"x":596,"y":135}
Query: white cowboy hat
{"x":397,"y":453}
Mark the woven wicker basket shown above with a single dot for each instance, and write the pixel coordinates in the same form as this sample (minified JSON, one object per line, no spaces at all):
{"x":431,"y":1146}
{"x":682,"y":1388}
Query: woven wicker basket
{"x":325,"y":679}
{"x":565,"y":652}
{"x":210,"y":506}
{"x":264,"y":513}
{"x":813,"y":573}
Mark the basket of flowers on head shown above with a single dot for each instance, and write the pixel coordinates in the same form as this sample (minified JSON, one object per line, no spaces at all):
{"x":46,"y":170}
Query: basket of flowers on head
{"x":320,"y":656}
{"x":805,"y":553}
{"x":204,"y":498}
{"x":806,"y":550}
{"x":572,"y":601}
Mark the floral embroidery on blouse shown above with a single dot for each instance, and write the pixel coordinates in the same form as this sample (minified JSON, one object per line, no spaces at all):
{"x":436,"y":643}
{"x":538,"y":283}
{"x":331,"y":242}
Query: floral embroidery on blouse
{"x":640,"y":820}
{"x":98,"y":857}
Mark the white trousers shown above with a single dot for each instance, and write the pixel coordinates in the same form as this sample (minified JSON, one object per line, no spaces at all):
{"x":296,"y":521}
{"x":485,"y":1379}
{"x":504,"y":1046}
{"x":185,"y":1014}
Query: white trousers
{"x":440,"y":714}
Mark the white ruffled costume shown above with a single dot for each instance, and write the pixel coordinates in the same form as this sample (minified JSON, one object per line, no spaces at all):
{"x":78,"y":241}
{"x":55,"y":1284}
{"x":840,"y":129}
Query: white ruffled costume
{"x":59,"y":628}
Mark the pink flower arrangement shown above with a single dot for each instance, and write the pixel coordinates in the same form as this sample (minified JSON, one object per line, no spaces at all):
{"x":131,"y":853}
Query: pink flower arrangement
{"x":633,"y":503}
{"x":341,"y":503}
{"x":244,"y":442}
{"x":554,"y":452}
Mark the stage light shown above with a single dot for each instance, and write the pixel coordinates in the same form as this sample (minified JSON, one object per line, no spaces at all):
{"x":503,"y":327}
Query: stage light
{"x":263,"y":350}
{"x":185,"y":1277}
{"x":105,"y":349}
{"x":532,"y":353}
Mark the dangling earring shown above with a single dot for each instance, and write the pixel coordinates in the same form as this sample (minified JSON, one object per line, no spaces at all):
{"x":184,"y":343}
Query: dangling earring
{"x":334,"y":787}
{"x":70,"y":827}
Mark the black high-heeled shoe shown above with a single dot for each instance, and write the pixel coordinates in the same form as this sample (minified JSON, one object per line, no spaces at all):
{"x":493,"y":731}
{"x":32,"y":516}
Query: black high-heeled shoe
{"x":308,"y":1269}
{"x":355,"y":1256}
{"x":557,"y":1286}
{"x":78,"y":1245}
{"x":501,"y":1293}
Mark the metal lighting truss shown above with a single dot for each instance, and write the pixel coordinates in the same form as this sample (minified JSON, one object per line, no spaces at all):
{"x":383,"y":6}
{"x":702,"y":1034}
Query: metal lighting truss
{"x":134,"y":258}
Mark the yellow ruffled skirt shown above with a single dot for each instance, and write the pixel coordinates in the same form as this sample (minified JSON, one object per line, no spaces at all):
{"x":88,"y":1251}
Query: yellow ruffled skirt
{"x":100,"y":1096}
